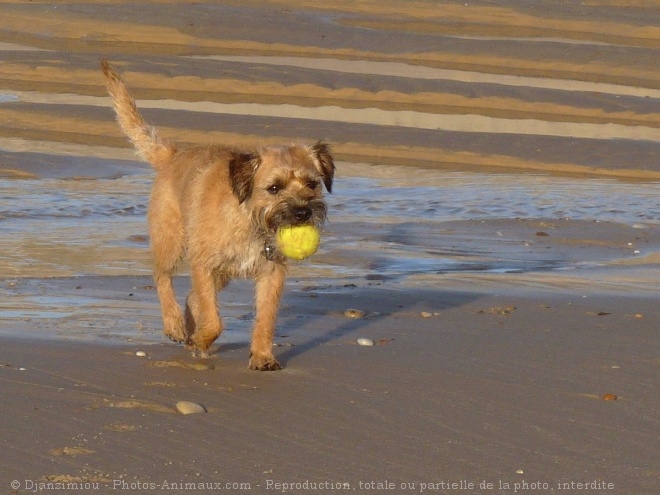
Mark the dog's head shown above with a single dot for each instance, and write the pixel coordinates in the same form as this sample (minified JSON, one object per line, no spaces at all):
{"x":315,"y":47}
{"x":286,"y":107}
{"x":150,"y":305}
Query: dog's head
{"x":283,"y":186}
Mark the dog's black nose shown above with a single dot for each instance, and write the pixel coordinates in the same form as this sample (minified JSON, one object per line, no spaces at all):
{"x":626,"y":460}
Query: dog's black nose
{"x":302,"y":213}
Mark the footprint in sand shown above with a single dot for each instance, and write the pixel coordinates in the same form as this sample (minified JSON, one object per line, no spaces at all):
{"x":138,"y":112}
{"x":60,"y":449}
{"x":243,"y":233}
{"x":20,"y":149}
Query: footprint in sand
{"x":120,"y":427}
{"x":71,"y":451}
{"x":160,"y":384}
{"x":180,"y":364}
{"x":139,"y":404}
{"x":67,"y":478}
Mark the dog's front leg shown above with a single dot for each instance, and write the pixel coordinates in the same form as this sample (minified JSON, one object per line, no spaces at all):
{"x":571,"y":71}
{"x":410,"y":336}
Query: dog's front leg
{"x":203,"y":324}
{"x":269,"y":285}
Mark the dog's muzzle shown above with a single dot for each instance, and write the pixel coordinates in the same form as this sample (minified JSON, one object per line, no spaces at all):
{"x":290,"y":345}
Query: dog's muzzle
{"x":302,"y":213}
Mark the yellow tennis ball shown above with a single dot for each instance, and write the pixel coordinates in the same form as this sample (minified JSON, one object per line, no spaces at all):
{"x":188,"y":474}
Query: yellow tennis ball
{"x":299,"y":242}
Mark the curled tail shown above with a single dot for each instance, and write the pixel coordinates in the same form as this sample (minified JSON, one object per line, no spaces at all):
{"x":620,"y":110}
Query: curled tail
{"x":144,"y":137}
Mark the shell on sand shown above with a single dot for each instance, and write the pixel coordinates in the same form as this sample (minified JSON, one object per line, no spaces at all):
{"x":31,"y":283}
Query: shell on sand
{"x":186,"y":407}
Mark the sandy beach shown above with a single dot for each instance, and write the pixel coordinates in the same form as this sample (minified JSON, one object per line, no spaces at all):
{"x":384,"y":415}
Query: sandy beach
{"x":493,"y":231}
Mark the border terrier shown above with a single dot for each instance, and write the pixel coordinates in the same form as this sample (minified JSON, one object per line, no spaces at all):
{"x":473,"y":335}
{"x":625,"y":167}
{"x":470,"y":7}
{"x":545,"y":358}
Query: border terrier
{"x":221,"y":207}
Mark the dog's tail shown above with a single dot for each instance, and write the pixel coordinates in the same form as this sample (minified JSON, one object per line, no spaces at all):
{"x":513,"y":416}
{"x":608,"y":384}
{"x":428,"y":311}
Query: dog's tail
{"x":144,"y":137}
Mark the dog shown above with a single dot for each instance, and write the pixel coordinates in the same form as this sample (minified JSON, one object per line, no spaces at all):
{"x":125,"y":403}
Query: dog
{"x":221,"y":208}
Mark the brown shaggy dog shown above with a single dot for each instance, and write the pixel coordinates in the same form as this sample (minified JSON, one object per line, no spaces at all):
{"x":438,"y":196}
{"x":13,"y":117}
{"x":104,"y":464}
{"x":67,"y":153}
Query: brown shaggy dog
{"x":221,"y":207}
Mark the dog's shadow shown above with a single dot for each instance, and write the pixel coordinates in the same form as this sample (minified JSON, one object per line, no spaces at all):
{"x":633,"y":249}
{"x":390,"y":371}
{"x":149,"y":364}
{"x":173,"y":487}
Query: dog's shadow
{"x":314,"y":316}
{"x":319,"y":317}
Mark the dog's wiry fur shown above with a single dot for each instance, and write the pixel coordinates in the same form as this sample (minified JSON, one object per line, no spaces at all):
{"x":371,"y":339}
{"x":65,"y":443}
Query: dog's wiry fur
{"x":221,"y":207}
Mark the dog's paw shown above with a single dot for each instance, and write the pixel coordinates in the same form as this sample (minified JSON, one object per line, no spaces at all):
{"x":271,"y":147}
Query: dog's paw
{"x":198,"y":353}
{"x":174,"y":328}
{"x":264,"y":363}
{"x":175,"y":335}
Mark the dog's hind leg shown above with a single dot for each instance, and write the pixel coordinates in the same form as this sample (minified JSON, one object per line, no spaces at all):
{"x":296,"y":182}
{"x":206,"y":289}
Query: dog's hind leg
{"x":167,"y":249}
{"x":173,"y":325}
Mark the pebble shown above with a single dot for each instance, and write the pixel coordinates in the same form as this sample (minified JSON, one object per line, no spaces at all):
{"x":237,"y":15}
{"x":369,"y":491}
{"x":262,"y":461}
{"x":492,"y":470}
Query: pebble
{"x":426,"y":314}
{"x":364,"y":341}
{"x":141,"y":354}
{"x":610,"y":397}
{"x":520,"y":471}
{"x":354,"y":313}
{"x":185,"y":407}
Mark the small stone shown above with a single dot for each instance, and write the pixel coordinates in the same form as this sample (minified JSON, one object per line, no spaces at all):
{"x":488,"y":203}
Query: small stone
{"x":141,"y":354}
{"x":354,"y":313}
{"x":186,"y":407}
{"x":520,"y":471}
{"x":363,"y":341}
{"x":426,"y":314}
{"x":610,"y":397}
{"x":503,"y":310}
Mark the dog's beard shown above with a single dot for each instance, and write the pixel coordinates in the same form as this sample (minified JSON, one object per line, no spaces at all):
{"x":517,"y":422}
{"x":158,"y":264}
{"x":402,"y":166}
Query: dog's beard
{"x":271,"y":218}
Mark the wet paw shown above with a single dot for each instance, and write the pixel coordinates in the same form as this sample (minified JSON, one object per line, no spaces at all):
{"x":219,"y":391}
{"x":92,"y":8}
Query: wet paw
{"x":175,"y":335}
{"x":173,"y":326}
{"x":198,"y":353}
{"x":264,"y":363}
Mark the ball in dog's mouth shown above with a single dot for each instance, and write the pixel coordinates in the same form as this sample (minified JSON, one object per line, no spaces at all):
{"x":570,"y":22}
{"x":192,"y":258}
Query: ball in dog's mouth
{"x":298,"y":242}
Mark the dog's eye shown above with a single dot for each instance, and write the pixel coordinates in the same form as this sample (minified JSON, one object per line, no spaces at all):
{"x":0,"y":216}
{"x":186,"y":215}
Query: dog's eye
{"x":274,"y":189}
{"x":313,"y":184}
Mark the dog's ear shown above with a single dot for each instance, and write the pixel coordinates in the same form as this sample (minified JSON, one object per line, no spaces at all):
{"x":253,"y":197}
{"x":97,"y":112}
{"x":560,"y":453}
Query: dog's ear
{"x":242,"y":169}
{"x":321,"y":151}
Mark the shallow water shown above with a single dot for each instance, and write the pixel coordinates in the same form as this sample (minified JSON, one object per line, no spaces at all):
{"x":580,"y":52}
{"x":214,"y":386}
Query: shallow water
{"x":388,"y":194}
{"x":491,"y":103}
{"x":385,"y":223}
{"x":54,"y":227}
{"x":73,"y":227}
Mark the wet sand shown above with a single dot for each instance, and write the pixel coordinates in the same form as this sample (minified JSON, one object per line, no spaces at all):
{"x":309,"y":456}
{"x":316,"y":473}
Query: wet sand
{"x":488,"y":385}
{"x":516,"y":345}
{"x":556,"y":94}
